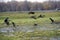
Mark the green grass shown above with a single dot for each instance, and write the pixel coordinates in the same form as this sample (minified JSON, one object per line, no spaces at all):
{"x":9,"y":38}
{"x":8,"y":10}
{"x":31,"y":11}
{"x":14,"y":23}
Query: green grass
{"x":30,"y":35}
{"x":23,"y":18}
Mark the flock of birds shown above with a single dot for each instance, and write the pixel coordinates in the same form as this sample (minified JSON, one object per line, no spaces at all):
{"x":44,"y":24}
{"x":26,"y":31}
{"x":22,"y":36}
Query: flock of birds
{"x":42,"y":16}
{"x":6,"y":21}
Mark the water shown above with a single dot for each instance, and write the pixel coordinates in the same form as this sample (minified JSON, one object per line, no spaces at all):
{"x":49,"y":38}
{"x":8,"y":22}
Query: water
{"x":30,"y":28}
{"x":46,"y":38}
{"x":8,"y":30}
{"x":5,"y":29}
{"x":24,"y":28}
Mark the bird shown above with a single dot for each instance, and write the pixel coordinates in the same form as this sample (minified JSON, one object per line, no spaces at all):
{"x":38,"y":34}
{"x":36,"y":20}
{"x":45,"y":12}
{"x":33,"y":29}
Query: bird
{"x":31,"y":13}
{"x":6,"y":21}
{"x":33,"y":17}
{"x":51,"y":20}
{"x":13,"y":24}
{"x":35,"y":24}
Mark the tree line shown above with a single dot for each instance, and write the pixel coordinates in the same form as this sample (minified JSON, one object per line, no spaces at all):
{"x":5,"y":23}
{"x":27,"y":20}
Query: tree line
{"x":29,"y":6}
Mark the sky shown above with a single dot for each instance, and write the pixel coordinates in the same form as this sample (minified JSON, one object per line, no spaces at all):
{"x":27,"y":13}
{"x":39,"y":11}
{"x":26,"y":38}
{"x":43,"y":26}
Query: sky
{"x":24,"y":0}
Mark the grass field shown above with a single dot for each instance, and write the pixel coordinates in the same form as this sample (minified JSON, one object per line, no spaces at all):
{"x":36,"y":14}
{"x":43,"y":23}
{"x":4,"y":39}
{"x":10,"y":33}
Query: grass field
{"x":23,"y":19}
